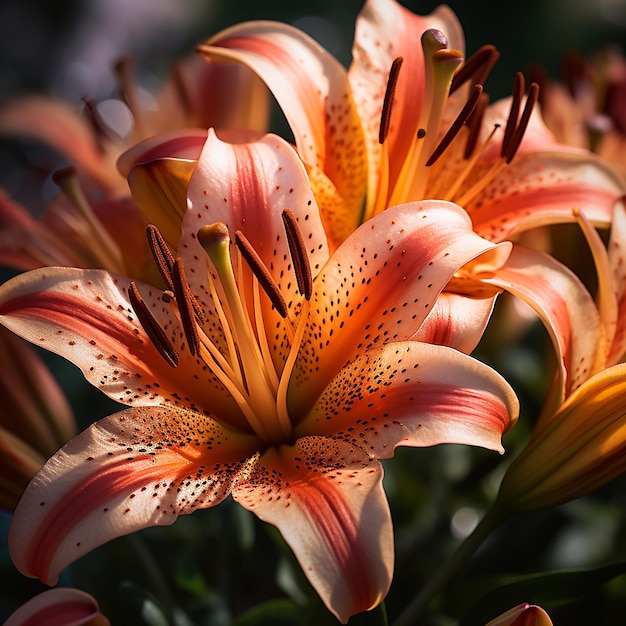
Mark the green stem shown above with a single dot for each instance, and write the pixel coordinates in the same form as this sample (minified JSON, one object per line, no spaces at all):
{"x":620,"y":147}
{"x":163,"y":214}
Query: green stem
{"x":492,"y":519}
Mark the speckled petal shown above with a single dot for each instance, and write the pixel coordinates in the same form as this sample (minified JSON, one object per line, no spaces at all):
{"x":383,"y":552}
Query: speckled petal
{"x":141,"y":467}
{"x":414,"y":394}
{"x":63,"y":605}
{"x":543,"y":183}
{"x":327,"y":500}
{"x":379,"y":286}
{"x":386,"y":30}
{"x":85,"y":316}
{"x":313,"y":91}
{"x":565,"y":307}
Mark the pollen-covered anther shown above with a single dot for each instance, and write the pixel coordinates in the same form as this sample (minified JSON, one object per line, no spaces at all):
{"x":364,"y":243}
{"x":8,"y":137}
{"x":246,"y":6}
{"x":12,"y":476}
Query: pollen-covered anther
{"x":385,"y":116}
{"x":456,"y":126}
{"x":259,"y":269}
{"x":161,"y":253}
{"x":514,"y":131}
{"x":476,"y":68}
{"x":185,"y":301}
{"x":301,"y":265}
{"x":152,"y":328}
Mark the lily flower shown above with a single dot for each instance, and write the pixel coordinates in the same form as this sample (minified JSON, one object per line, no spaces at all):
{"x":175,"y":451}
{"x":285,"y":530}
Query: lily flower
{"x":66,"y":606}
{"x":268,"y":369}
{"x":523,"y":615}
{"x":35,"y":419}
{"x":406,"y":123}
{"x":196,"y":95}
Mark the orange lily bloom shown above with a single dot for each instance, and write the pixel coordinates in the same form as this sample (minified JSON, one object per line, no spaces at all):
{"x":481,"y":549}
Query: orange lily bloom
{"x":404,"y":124}
{"x":523,"y":615}
{"x":268,"y":369}
{"x":35,"y":420}
{"x":59,"y":606}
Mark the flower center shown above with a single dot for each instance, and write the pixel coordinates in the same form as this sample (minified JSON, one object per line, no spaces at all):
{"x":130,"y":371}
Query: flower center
{"x":243,"y":361}
{"x":429,"y":164}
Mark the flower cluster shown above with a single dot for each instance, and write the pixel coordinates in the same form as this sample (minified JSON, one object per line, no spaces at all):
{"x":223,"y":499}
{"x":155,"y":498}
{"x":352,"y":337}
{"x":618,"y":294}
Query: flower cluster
{"x":277,"y":319}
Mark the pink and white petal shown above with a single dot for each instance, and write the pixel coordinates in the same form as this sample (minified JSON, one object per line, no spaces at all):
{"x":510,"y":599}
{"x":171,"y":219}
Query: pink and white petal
{"x":565,"y":307}
{"x":327,"y":500}
{"x":384,"y":31}
{"x":456,"y":320}
{"x":544,"y":188}
{"x":86,"y":317}
{"x":414,"y":394}
{"x":55,"y":607}
{"x":248,"y":186}
{"x":63,"y":129}
{"x":380,"y":285}
{"x":313,"y":91}
{"x":140,"y":467}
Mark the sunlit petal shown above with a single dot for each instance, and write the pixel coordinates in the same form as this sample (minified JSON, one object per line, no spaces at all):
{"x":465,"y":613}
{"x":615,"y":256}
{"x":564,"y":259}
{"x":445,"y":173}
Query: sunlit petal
{"x":138,"y":468}
{"x":414,"y":394}
{"x":327,"y":500}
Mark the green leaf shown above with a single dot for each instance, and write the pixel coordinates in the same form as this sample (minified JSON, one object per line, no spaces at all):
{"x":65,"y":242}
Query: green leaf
{"x":279,"y":612}
{"x":547,"y":589}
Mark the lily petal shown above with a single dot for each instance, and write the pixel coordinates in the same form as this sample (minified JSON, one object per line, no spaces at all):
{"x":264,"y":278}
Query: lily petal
{"x":384,"y":279}
{"x":69,"y":607}
{"x":86,"y":317}
{"x":414,"y":394}
{"x":140,"y":467}
{"x":313,"y":91}
{"x":564,"y":305}
{"x":57,"y":125}
{"x":327,"y":500}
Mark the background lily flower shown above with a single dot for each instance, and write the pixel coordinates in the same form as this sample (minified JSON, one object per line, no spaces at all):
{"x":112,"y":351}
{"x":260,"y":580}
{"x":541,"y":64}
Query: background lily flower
{"x":69,"y":607}
{"x":402,"y":124}
{"x":35,"y":418}
{"x":268,"y":370}
{"x":523,"y":615}
{"x":197,"y":95}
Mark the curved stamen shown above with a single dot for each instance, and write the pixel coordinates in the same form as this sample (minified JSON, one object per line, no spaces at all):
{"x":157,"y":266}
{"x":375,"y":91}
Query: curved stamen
{"x":385,"y":116}
{"x":477,"y":67}
{"x":511,"y":124}
{"x":456,"y":126}
{"x":161,"y":254}
{"x":263,"y":275}
{"x":516,"y":139}
{"x":301,"y":265}
{"x":474,"y":124}
{"x":152,"y":328}
{"x":184,"y":300}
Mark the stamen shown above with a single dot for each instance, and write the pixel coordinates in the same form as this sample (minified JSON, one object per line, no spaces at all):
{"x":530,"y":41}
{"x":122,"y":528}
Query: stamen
{"x":301,"y":265}
{"x":103,"y":132}
{"x":152,"y":328}
{"x":123,"y":69}
{"x":511,"y":123}
{"x":185,"y":301}
{"x":89,"y":227}
{"x":385,"y":116}
{"x":474,"y":124}
{"x":263,"y":275}
{"x":456,"y":126}
{"x":477,"y":67}
{"x":161,"y":253}
{"x":516,"y":139}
